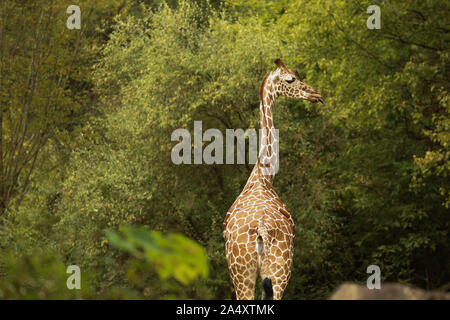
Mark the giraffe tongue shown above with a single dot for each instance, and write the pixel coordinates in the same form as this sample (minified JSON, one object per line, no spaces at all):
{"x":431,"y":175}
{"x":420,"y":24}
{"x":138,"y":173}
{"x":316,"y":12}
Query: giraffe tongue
{"x":321,"y":101}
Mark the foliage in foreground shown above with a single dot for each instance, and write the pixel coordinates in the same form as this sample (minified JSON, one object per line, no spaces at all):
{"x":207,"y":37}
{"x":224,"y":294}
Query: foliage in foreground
{"x":152,"y":259}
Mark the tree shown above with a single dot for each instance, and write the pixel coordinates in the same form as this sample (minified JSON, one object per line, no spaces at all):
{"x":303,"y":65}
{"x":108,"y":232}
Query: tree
{"x":44,"y":80}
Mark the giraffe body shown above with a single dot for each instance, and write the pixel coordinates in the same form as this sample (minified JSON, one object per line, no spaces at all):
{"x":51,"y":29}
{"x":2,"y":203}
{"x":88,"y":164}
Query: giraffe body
{"x":259,"y":213}
{"x":258,"y":228}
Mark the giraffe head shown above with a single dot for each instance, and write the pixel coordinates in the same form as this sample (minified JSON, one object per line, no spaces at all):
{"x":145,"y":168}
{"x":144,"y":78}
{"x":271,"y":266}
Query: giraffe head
{"x":287,"y":82}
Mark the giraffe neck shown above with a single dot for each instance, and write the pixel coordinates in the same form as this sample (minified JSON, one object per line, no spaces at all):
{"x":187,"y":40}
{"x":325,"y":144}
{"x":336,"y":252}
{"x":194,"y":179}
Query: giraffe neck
{"x":267,"y":164}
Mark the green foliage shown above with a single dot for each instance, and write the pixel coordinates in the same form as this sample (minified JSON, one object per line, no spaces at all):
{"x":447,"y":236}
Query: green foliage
{"x":378,"y":152}
{"x":45,"y":87}
{"x":39,"y":275}
{"x":365,"y":176}
{"x":172,"y":256}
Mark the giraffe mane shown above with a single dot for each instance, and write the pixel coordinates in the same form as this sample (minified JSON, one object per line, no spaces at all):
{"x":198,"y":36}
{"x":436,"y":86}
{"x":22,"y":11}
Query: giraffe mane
{"x":261,"y":87}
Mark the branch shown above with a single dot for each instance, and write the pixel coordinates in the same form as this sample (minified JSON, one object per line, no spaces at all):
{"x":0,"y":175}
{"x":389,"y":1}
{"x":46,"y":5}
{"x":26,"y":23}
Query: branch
{"x":359,"y":45}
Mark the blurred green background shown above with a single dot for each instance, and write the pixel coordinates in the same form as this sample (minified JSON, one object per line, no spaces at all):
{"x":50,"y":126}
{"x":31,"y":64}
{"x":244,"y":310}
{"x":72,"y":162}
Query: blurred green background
{"x":87,"y":115}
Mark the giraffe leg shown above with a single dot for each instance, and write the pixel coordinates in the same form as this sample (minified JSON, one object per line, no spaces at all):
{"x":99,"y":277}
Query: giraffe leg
{"x":243,"y":270}
{"x":245,"y":287}
{"x":276,"y":265}
{"x":279,"y":275}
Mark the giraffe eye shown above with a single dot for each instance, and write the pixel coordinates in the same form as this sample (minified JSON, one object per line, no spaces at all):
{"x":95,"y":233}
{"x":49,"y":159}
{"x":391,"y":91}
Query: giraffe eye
{"x":290,"y":81}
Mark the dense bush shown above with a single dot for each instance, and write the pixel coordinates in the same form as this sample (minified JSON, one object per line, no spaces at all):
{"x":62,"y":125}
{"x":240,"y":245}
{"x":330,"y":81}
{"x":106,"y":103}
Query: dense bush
{"x":365,"y":176}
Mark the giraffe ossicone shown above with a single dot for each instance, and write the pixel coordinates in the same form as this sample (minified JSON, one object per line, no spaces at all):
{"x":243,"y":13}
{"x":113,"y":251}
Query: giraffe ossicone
{"x":258,"y":228}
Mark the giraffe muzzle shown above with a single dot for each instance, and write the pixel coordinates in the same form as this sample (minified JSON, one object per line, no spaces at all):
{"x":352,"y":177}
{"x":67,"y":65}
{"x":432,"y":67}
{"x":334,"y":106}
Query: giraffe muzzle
{"x":316,"y":97}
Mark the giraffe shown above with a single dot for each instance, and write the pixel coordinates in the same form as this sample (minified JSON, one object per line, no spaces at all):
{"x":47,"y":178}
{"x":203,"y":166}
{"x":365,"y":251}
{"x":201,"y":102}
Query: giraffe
{"x":258,"y":228}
